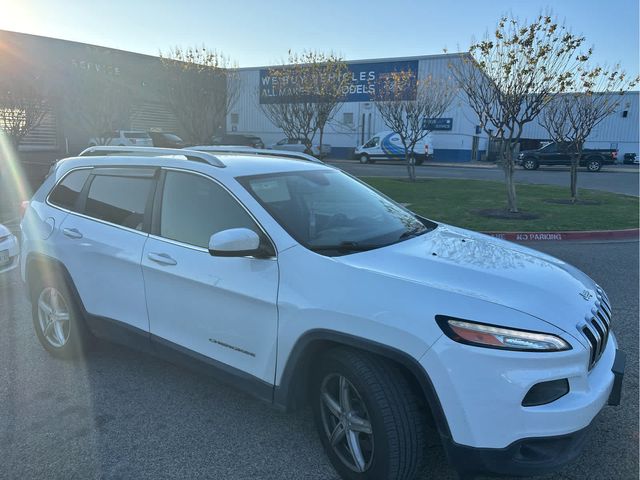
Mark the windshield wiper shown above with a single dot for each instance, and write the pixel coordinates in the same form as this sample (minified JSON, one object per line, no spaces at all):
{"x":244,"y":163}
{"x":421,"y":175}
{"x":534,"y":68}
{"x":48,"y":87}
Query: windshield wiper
{"x":344,"y":247}
{"x":414,"y":232}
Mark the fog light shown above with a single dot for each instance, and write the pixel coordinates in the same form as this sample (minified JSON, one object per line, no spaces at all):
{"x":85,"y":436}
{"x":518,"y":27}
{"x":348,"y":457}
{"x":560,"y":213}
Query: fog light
{"x":546,"y":392}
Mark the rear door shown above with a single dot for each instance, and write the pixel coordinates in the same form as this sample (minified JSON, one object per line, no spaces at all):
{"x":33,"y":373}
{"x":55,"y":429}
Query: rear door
{"x":223,"y":308}
{"x":101,"y":243}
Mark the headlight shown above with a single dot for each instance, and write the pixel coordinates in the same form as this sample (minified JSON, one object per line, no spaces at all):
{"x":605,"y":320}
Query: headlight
{"x":491,"y":336}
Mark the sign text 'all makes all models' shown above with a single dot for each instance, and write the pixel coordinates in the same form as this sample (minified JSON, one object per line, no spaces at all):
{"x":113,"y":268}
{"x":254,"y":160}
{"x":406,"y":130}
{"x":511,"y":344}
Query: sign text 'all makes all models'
{"x":364,"y":76}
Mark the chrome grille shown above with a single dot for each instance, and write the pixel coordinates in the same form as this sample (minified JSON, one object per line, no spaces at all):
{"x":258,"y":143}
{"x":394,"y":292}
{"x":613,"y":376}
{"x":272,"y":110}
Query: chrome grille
{"x":597,"y":326}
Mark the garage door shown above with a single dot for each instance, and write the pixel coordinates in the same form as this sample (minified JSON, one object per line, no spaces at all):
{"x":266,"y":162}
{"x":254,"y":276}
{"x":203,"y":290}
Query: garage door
{"x":153,"y":116}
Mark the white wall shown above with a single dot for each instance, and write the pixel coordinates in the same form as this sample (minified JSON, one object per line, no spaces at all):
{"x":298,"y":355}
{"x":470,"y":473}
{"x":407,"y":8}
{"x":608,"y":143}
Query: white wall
{"x":615,"y":131}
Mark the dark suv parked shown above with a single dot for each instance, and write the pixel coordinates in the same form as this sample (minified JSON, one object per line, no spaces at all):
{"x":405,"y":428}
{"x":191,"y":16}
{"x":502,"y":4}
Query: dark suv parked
{"x":167,"y":140}
{"x":238,"y":139}
{"x":551,"y":154}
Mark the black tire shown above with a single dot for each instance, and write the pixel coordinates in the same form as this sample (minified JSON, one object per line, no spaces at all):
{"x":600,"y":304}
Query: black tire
{"x":530,"y":163}
{"x":396,"y":447}
{"x":77,"y":336}
{"x":594,"y":164}
{"x":364,"y":158}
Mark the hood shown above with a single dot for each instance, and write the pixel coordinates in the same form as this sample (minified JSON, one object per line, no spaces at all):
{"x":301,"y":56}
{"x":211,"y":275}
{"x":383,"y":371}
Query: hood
{"x":489,"y":269}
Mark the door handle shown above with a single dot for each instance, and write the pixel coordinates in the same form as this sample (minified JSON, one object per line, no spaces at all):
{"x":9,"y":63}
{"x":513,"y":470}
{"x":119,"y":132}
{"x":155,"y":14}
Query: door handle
{"x":72,"y":232}
{"x":161,"y":258}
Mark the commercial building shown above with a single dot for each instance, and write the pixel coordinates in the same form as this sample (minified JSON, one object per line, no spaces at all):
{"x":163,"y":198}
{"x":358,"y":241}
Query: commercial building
{"x":457,"y":136}
{"x":60,"y":67}
{"x":62,"y":64}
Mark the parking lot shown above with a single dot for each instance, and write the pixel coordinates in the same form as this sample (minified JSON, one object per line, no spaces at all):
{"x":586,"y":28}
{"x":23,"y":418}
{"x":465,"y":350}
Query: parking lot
{"x":122,"y":414}
{"x":617,"y":179}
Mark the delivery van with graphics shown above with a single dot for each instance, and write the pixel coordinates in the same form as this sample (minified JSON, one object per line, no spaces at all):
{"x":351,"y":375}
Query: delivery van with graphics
{"x":387,"y":145}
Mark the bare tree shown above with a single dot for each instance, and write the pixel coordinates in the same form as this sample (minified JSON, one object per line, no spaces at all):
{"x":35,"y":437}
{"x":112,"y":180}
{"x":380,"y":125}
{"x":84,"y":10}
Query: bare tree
{"x":202,"y":85}
{"x":100,"y":103}
{"x":23,"y":106}
{"x":306,"y":94}
{"x":512,"y":74}
{"x":405,"y":102}
{"x":570,"y":118}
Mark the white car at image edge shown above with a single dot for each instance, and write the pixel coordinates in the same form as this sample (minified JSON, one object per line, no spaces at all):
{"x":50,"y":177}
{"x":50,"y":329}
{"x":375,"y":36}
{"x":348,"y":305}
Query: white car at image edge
{"x":9,"y":250}
{"x":301,"y":285}
{"x":123,"y":138}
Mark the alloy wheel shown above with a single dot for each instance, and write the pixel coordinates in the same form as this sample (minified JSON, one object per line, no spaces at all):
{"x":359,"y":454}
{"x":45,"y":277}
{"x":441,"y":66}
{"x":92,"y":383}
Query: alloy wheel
{"x":54,"y":317}
{"x":346,"y":422}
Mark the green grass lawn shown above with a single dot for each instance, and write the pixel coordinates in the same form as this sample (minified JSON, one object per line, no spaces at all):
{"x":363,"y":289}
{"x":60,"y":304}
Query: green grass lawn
{"x":457,"y":201}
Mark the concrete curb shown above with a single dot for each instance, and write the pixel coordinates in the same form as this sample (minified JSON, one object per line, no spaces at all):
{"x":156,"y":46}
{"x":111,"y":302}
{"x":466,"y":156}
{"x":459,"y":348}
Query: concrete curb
{"x":602,"y":235}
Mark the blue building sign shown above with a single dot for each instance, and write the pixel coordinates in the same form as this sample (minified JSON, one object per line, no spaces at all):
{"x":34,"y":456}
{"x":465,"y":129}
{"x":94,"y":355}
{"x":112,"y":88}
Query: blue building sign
{"x":364,"y":77}
{"x":437,"y":124}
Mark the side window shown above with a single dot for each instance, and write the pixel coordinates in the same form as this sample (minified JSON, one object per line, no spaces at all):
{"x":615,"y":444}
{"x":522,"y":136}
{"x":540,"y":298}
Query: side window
{"x":194,"y":208}
{"x":119,"y":199}
{"x":66,"y":193}
{"x":372,"y":143}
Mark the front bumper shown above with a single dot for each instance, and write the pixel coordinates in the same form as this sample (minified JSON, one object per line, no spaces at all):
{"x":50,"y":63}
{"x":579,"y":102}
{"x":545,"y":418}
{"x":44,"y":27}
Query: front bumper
{"x":531,"y":456}
{"x":481,"y":392}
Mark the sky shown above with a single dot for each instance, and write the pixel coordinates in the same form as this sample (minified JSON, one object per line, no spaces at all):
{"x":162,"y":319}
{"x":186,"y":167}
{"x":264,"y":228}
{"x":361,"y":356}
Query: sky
{"x":259,"y":32}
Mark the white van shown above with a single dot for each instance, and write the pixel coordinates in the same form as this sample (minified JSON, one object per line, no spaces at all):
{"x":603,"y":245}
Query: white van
{"x":388,"y":146}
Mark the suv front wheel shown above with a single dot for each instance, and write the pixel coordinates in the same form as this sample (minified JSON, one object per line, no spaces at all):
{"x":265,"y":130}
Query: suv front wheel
{"x":594,"y":164}
{"x":529,"y":164}
{"x":58,"y":323}
{"x":368,"y":418}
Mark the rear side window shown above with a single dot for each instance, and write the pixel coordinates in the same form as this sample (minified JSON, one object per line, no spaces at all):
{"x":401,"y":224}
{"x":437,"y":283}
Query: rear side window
{"x":136,"y":135}
{"x":66,"y":193}
{"x":118,"y":199}
{"x":194,"y":208}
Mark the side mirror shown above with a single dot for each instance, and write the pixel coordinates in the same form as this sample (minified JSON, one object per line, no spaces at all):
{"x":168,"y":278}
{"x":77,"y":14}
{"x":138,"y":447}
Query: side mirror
{"x":236,"y":242}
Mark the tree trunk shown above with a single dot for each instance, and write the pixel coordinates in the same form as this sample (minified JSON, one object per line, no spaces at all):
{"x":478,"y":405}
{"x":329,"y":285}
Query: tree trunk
{"x":411,"y":166}
{"x":512,"y":200}
{"x":575,"y":160}
{"x":320,"y":147}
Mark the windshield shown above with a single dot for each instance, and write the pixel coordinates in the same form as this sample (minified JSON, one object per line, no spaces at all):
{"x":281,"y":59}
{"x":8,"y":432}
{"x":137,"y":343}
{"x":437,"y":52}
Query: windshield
{"x":172,"y":137}
{"x":331,"y":213}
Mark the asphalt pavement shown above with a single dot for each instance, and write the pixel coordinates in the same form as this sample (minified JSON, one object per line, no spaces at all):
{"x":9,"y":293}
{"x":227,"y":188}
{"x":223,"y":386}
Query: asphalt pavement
{"x":123,"y":414}
{"x":612,"y":179}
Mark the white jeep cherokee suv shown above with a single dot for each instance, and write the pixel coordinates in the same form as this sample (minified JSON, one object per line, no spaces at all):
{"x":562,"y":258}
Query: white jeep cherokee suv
{"x":298,"y":283}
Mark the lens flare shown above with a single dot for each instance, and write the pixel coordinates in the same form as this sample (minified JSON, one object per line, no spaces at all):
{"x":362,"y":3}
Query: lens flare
{"x":13,"y":188}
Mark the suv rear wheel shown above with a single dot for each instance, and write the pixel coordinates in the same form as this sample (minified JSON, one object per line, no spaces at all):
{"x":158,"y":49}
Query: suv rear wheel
{"x":58,"y":323}
{"x":368,"y":418}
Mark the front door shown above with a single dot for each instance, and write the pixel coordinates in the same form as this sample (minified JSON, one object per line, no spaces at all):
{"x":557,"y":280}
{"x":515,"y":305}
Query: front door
{"x":222,"y":308}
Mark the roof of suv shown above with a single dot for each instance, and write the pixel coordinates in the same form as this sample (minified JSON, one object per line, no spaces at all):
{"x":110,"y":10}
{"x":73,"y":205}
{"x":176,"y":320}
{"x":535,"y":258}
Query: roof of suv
{"x":232,"y":164}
